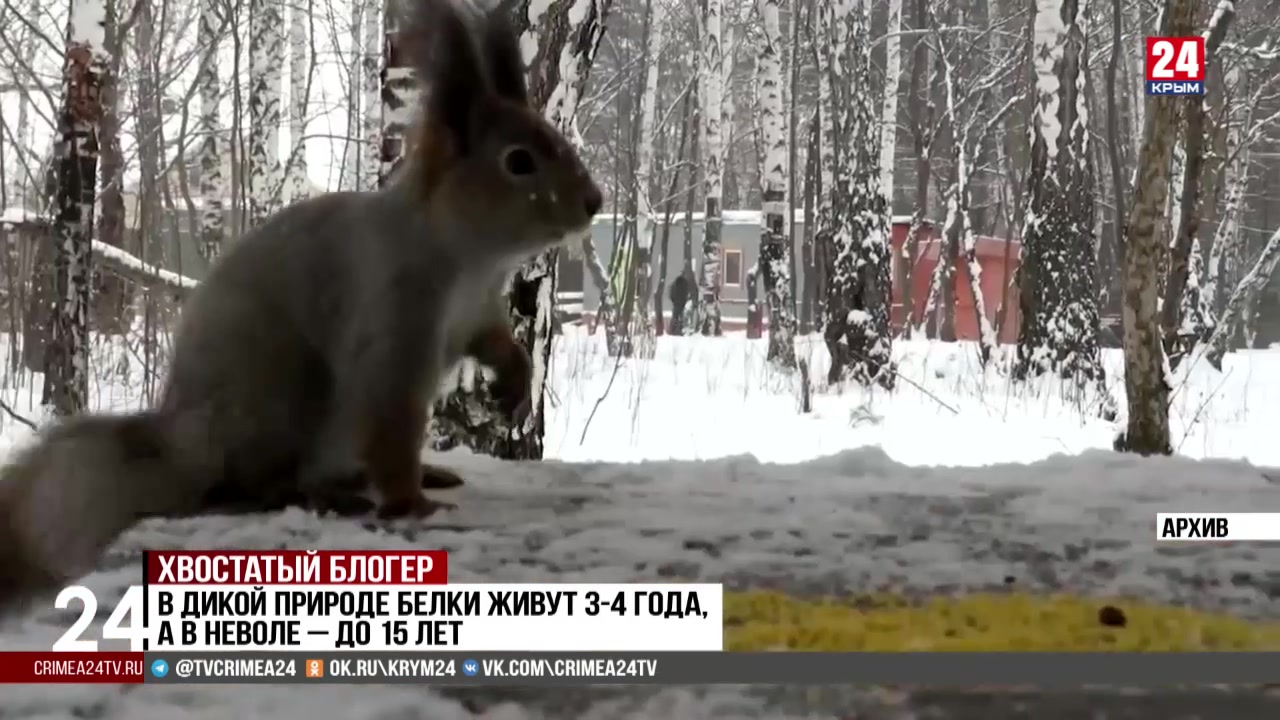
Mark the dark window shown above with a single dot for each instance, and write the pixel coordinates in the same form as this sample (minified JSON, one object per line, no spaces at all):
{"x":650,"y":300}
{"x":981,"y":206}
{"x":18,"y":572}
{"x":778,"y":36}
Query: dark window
{"x":570,"y":274}
{"x":733,"y":268}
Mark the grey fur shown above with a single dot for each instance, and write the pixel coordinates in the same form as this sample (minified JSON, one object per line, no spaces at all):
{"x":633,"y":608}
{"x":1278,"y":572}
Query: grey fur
{"x":307,"y":331}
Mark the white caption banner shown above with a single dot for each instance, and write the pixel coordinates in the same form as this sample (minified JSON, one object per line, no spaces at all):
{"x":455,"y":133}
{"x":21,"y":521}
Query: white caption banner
{"x":484,"y":617}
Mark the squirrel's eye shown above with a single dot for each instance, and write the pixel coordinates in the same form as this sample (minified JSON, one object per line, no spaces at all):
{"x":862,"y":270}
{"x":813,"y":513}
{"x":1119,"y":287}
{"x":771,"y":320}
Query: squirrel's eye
{"x":519,"y":162}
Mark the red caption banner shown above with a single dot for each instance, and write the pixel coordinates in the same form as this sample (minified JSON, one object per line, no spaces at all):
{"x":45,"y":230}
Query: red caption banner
{"x":298,"y":567}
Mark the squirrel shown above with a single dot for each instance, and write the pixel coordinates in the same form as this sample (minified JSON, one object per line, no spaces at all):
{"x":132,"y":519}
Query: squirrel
{"x":306,"y":364}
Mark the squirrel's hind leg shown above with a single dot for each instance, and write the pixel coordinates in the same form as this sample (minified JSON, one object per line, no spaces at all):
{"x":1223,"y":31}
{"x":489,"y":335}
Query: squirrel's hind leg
{"x":393,"y":465}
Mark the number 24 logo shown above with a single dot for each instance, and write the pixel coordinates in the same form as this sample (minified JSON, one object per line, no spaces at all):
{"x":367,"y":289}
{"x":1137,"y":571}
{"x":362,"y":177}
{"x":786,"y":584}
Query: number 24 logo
{"x":1188,"y":60}
{"x":130,"y":606}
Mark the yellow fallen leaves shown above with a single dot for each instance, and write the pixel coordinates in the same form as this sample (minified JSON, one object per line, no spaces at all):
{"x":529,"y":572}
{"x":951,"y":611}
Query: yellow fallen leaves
{"x":766,"y":620}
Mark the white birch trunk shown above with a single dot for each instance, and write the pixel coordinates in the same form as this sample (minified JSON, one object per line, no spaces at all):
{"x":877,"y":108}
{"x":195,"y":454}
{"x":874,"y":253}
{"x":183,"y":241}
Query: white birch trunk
{"x":648,"y":110}
{"x":775,"y":255}
{"x":1236,"y":180}
{"x":1059,"y":330}
{"x":1050,"y":35}
{"x":757,"y":118}
{"x":826,"y":152}
{"x":299,"y":92}
{"x":1242,"y":299}
{"x":1137,"y":62}
{"x":794,"y":164}
{"x":1177,"y":181}
{"x":641,"y":332}
{"x":957,"y":229}
{"x":728,"y":108}
{"x":22,"y":135}
{"x":213,"y":186}
{"x":66,"y":387}
{"x":352,"y":145}
{"x":889,"y":110}
{"x":713,"y":155}
{"x":369,"y":167}
{"x":266,"y":45}
{"x":28,"y":161}
{"x":1197,"y":317}
{"x":561,"y":109}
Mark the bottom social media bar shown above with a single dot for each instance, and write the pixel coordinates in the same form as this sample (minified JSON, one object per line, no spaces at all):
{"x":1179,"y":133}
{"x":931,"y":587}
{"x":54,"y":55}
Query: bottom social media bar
{"x":777,"y":668}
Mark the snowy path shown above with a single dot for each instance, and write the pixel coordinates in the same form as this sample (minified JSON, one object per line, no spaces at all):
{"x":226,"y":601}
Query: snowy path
{"x":852,"y":523}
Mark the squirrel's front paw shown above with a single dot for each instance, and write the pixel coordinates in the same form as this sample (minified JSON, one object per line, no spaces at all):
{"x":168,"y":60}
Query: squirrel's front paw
{"x":518,"y":410}
{"x":412,"y":506}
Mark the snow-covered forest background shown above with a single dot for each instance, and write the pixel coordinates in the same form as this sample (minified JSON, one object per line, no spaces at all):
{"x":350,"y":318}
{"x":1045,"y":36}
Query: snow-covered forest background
{"x":139,"y":140}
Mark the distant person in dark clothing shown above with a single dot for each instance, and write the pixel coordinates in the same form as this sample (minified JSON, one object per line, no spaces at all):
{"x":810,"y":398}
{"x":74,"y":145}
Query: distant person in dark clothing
{"x":681,"y":288}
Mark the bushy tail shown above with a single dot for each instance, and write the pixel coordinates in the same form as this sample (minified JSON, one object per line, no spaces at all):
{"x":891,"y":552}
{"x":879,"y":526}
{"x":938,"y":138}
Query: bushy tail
{"x":71,"y":494}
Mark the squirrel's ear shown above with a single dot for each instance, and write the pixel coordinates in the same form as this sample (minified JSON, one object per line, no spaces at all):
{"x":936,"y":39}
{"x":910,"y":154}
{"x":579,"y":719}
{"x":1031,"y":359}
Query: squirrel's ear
{"x":450,"y":66}
{"x":502,"y":53}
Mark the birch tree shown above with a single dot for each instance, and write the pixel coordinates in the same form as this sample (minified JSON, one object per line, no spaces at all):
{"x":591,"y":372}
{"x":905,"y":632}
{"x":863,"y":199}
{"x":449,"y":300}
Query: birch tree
{"x":66,"y":382}
{"x":266,"y":51}
{"x":856,"y":328}
{"x":685,"y":320}
{"x":641,"y":332}
{"x":921,"y":109}
{"x":775,"y":251}
{"x":889,"y":110}
{"x":1227,"y":236}
{"x":673,"y":194}
{"x":965,"y":101}
{"x":712,"y":148}
{"x":791,"y":100}
{"x":1255,"y":117}
{"x":728,"y":108}
{"x":149,"y":121}
{"x":28,"y":47}
{"x":1060,"y":319}
{"x":299,"y":96}
{"x":826,"y":149}
{"x":213,"y":191}
{"x":1185,"y":316}
{"x":1146,"y":381}
{"x":355,"y":142}
{"x":111,"y":294}
{"x":1115,"y":156}
{"x":617,"y":300}
{"x":379,"y":121}
{"x":1249,"y":287}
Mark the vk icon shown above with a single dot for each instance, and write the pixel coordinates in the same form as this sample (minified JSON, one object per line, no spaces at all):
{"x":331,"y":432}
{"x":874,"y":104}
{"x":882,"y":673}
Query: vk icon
{"x":470,"y":668}
{"x":159,"y":668}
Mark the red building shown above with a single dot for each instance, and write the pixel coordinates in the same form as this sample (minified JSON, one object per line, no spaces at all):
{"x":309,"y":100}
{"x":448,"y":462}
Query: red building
{"x":740,"y":235}
{"x":999,"y":261}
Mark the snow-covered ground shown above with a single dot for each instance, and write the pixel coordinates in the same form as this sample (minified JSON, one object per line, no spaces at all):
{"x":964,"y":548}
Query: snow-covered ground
{"x":696,"y":465}
{"x":701,"y":399}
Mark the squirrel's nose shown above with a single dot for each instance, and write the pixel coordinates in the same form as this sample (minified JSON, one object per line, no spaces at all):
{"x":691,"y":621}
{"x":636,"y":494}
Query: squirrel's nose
{"x":593,"y":199}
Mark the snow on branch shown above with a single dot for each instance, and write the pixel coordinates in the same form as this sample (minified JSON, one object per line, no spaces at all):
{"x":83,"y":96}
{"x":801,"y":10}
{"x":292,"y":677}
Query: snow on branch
{"x":1265,"y":52}
{"x":1245,"y":293}
{"x":1217,"y":29}
{"x":131,"y":268}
